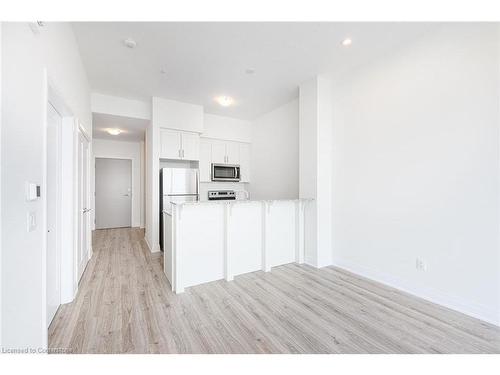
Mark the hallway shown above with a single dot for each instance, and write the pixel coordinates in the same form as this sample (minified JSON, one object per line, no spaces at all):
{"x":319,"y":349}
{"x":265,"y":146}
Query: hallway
{"x":124,"y":305}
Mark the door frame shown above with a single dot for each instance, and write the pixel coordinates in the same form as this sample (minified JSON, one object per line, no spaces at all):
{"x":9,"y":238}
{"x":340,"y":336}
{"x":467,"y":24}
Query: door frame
{"x":53,"y":98}
{"x":58,"y":188}
{"x":80,"y":130}
{"x":132,"y":195}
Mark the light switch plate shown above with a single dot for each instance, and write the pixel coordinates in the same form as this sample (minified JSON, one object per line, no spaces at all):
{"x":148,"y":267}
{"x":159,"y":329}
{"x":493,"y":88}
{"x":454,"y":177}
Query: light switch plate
{"x":31,"y":221}
{"x":32,"y":191}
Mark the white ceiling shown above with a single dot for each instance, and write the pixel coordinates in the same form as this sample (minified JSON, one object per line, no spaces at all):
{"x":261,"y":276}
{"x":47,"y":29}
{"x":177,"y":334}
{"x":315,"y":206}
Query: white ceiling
{"x":204,"y":60}
{"x":133,"y":129}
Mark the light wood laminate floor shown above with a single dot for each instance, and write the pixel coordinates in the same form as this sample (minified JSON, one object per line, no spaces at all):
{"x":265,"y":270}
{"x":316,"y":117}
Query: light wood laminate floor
{"x":124,"y":305}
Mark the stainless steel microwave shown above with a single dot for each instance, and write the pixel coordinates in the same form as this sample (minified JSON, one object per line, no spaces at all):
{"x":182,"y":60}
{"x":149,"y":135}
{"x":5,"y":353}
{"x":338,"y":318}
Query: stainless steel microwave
{"x":225,"y":172}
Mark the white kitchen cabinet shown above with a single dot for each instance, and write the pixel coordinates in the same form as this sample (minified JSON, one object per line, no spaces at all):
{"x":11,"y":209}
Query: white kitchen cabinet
{"x":223,"y":152}
{"x":232,"y":153}
{"x":179,"y":145}
{"x":170,"y":144}
{"x":218,"y":151}
{"x":205,"y":160}
{"x":190,"y":143}
{"x":245,"y":162}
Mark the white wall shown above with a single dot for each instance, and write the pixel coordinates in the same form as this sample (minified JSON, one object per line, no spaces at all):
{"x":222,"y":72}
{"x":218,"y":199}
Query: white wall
{"x":152,"y":234}
{"x":416,"y":172}
{"x":114,"y":105}
{"x":1,"y":308}
{"x":226,"y":128}
{"x":25,"y":60}
{"x":275,"y":154}
{"x":315,"y":166}
{"x":103,"y":148}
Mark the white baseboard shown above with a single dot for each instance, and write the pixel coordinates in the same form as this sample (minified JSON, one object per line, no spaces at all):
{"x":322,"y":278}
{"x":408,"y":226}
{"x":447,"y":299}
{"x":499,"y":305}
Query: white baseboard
{"x":154,"y":249}
{"x":452,"y":302}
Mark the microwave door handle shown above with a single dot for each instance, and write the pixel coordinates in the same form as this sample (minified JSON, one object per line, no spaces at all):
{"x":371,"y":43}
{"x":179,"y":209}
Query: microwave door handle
{"x":236,"y":173}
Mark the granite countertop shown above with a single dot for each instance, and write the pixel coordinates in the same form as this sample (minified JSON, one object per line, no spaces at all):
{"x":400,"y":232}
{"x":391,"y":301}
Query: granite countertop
{"x":239,"y":201}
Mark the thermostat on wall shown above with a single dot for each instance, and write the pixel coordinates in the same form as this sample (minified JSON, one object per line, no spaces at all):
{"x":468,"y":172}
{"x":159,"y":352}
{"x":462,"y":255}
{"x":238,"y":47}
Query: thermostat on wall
{"x":32,"y":191}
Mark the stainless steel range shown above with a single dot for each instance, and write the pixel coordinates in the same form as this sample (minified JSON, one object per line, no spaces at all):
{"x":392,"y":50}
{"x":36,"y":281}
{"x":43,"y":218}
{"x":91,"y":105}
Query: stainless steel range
{"x":218,"y":195}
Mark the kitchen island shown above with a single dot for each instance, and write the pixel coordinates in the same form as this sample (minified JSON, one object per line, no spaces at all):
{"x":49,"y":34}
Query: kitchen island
{"x":213,"y":240}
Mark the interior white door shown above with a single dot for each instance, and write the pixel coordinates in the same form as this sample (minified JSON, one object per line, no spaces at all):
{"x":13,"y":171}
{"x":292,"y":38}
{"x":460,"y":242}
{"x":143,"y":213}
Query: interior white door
{"x":83,"y":204}
{"x":54,"y":122}
{"x":190,"y":146}
{"x":170,"y":144}
{"x":113,"y":193}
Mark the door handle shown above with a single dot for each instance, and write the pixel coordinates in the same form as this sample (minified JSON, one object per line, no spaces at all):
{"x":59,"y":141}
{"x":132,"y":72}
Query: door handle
{"x":85,"y":210}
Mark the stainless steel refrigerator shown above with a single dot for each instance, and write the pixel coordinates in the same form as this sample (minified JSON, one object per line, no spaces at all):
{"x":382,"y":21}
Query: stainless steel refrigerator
{"x":176,"y":185}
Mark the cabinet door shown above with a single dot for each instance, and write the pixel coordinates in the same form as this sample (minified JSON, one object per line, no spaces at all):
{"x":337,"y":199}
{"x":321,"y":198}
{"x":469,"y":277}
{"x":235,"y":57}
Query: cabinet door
{"x":190,"y":146}
{"x":170,"y":144}
{"x":218,"y":151}
{"x":232,"y":153}
{"x":245,"y":162}
{"x":205,"y":160}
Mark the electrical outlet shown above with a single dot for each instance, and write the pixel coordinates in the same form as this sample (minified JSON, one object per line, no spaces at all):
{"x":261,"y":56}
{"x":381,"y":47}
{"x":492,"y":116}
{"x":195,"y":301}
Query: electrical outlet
{"x":420,"y":265}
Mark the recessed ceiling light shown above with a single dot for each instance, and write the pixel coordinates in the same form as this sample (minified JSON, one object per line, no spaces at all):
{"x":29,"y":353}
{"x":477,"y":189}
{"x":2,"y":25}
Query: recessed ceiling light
{"x":347,"y":42}
{"x":114,"y":131}
{"x":250,"y":71}
{"x":130,"y":43}
{"x":224,"y":101}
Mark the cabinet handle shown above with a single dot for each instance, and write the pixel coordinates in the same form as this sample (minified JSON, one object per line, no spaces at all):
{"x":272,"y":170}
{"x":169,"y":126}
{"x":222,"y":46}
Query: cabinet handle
{"x":182,"y":152}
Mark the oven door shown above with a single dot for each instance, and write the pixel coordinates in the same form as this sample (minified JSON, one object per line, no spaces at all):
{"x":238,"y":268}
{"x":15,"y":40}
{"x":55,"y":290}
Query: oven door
{"x":225,"y":172}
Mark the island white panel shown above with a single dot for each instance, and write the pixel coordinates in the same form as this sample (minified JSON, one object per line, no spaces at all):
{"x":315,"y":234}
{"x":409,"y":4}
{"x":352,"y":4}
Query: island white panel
{"x":244,"y":238}
{"x":280,"y":232}
{"x":199,"y":244}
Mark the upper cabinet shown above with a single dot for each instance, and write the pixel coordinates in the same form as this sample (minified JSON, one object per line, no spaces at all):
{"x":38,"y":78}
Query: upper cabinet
{"x":205,"y":159}
{"x":218,"y":151}
{"x":172,"y":114}
{"x":179,"y":145}
{"x":245,"y":162}
{"x":190,"y":146}
{"x":223,"y":152}
{"x":232,"y":153}
{"x":170,"y":144}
